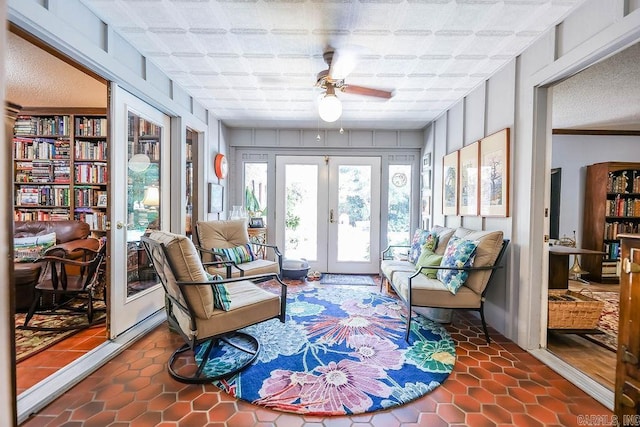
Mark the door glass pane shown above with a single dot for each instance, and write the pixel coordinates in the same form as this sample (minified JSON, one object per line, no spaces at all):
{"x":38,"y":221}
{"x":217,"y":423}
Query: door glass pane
{"x":354,"y":212}
{"x":301,"y":217}
{"x":255,"y":190}
{"x":399,"y":225}
{"x":143,"y":198}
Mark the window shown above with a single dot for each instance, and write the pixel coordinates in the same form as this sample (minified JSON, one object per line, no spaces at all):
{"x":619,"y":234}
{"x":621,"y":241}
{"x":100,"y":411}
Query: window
{"x":399,"y":224}
{"x":255,"y":190}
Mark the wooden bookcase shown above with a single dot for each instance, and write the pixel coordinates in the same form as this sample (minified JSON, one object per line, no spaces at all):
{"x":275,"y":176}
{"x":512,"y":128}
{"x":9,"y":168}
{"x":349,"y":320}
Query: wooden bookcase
{"x":611,"y":207}
{"x":60,"y":162}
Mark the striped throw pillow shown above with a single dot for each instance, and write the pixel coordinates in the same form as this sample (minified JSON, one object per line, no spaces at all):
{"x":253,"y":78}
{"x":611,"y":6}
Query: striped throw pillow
{"x":238,"y":254}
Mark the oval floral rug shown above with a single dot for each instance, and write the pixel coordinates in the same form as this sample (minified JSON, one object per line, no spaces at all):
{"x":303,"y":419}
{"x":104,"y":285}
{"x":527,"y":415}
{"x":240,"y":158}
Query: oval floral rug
{"x":341,"y":351}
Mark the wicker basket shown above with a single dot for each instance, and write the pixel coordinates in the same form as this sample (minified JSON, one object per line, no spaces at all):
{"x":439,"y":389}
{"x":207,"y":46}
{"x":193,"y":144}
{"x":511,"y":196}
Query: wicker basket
{"x":573,"y":310}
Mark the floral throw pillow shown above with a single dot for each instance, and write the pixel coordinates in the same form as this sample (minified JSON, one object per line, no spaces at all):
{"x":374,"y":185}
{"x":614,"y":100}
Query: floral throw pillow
{"x":422,"y":239}
{"x":459,"y":253}
{"x":238,"y":254}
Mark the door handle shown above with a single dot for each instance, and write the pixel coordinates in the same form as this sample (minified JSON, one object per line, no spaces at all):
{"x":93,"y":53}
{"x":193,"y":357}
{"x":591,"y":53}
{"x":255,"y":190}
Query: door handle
{"x":629,"y":266}
{"x":120,"y":225}
{"x":331,"y":216}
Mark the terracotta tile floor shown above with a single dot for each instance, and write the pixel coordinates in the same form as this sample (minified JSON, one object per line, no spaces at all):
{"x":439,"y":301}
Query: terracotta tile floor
{"x":491,"y":385}
{"x":39,"y":366}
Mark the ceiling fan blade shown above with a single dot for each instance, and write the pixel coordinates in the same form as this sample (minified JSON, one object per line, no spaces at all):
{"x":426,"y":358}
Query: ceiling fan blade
{"x":366,"y":91}
{"x":343,"y":63}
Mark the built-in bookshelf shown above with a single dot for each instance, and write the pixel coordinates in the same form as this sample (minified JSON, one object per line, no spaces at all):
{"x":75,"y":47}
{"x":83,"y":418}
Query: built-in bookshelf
{"x":61,"y":167}
{"x":612,"y":207}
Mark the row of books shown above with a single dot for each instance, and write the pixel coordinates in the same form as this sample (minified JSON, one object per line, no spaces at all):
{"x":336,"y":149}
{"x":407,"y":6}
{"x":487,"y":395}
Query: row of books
{"x":610,"y":268}
{"x":51,"y":215}
{"x":90,"y":126}
{"x":145,"y":127}
{"x":91,"y":173}
{"x":40,"y":148}
{"x":612,"y":250}
{"x":96,"y":220}
{"x":44,"y":171}
{"x":47,"y":125}
{"x":42,"y":196}
{"x":623,"y":207}
{"x":150,"y":148}
{"x":90,"y":197}
{"x":612,"y":229}
{"x":90,"y":150}
{"x":623,"y":182}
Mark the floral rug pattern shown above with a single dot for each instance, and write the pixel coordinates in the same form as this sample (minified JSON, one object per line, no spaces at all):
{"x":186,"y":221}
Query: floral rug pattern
{"x":609,"y":318}
{"x":341,"y":351}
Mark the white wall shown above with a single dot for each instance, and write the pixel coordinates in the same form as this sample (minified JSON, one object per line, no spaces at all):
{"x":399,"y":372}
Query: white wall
{"x":573,"y":153}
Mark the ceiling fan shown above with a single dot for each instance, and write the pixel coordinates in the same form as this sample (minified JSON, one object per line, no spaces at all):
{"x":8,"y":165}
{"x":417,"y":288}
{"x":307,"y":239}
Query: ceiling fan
{"x":340,"y":63}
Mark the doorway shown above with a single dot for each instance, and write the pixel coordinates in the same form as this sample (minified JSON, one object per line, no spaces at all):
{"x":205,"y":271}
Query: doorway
{"x":331,"y":211}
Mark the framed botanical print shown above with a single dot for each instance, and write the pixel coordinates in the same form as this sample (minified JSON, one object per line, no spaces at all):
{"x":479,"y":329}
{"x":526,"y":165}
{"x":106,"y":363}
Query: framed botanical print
{"x":494,"y":174}
{"x":450,"y":184}
{"x":469,"y":175}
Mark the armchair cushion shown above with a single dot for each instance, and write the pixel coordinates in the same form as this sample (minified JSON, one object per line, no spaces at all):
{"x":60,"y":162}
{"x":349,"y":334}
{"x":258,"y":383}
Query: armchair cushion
{"x":188,"y":267}
{"x":459,"y":253}
{"x":29,"y":249}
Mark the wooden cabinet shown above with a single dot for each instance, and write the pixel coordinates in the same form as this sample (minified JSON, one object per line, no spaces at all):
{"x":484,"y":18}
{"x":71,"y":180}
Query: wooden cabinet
{"x":611,"y":207}
{"x":60,"y":167}
{"x":627,"y":391}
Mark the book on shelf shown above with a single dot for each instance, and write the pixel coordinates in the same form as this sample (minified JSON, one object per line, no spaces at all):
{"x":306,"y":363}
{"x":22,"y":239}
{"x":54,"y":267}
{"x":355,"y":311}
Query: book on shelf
{"x":41,"y":125}
{"x":91,"y":126}
{"x":28,"y":196}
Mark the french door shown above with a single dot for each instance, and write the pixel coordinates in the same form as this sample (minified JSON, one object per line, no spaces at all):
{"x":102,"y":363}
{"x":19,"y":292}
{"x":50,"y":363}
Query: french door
{"x":139,"y":188}
{"x":331,"y":211}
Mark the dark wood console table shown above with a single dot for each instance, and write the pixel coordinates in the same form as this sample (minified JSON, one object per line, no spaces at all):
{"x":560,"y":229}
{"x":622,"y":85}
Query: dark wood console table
{"x":559,"y":264}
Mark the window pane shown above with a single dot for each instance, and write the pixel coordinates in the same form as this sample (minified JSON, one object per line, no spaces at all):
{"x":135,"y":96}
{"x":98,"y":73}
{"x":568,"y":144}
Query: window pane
{"x":255,"y":190}
{"x":354,"y":212}
{"x":301,"y":217}
{"x":399,"y":225}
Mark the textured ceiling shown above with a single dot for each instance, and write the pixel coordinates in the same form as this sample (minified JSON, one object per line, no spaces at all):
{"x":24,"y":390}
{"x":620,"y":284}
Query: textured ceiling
{"x":36,"y":78}
{"x":254,"y":62}
{"x":604,"y":96}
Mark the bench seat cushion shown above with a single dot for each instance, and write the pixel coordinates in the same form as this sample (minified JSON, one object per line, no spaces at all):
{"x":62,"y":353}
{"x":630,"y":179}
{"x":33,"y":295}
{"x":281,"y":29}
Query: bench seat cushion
{"x":390,"y":266}
{"x":428,"y":292}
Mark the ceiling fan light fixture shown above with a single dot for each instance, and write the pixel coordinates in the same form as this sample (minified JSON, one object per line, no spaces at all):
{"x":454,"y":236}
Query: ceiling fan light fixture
{"x":330,"y":107}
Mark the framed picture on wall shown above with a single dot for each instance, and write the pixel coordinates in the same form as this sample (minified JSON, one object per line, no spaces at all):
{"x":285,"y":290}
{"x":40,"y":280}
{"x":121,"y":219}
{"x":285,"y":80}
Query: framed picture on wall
{"x":216,"y":194}
{"x":450,"y":184}
{"x":469,"y":175}
{"x":494,"y":174}
{"x":426,"y":161}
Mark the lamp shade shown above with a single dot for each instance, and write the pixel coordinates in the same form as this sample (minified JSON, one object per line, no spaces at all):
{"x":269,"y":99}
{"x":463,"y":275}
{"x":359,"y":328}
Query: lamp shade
{"x":330,"y":107}
{"x":151,"y":196}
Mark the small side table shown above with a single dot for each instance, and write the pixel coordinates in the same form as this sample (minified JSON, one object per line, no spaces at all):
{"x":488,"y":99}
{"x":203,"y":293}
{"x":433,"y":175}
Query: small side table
{"x":258,"y":235}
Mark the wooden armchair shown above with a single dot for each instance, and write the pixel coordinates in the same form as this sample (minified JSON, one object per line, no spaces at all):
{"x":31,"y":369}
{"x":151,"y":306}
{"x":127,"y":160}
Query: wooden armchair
{"x":72,"y":278}
{"x":208,"y":313}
